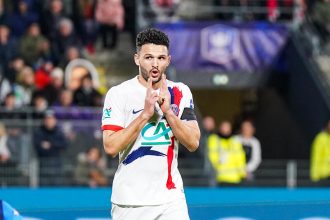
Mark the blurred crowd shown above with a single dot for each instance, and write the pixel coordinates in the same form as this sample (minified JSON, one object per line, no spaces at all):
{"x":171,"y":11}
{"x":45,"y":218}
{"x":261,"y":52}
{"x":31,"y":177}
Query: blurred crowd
{"x":234,"y":156}
{"x":43,"y":66}
{"x":42,"y":45}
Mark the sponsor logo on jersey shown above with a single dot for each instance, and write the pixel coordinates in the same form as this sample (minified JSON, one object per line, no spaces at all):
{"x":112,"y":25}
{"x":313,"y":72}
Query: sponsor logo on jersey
{"x":136,"y":111}
{"x":160,"y":137}
{"x":106,"y":113}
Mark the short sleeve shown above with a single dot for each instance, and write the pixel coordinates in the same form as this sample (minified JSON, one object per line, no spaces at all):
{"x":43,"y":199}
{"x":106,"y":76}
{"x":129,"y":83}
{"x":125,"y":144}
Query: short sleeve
{"x":188,"y":98}
{"x":113,"y":111}
{"x":188,"y":105}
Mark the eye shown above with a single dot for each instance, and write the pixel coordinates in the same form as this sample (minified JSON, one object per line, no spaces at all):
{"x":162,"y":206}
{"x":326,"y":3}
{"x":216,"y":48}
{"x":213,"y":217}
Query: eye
{"x":148,"y":58}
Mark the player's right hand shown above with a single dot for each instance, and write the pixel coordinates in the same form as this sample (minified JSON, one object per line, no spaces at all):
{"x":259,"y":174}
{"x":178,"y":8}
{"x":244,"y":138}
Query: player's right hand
{"x":150,"y":100}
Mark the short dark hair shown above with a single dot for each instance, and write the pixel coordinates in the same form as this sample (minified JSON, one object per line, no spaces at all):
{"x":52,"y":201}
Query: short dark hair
{"x":151,"y":36}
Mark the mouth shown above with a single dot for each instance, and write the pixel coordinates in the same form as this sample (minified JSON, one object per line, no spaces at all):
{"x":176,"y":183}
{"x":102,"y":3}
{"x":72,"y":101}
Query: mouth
{"x":154,"y":73}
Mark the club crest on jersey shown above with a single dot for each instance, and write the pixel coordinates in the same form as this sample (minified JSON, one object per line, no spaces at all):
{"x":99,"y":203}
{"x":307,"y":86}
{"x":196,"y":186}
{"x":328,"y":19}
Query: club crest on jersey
{"x":106,"y":113}
{"x":175,"y":109}
{"x":176,"y":97}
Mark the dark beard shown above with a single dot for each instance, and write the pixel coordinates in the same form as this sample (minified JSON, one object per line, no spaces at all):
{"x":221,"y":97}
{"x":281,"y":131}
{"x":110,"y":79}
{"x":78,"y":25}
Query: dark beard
{"x":145,"y":76}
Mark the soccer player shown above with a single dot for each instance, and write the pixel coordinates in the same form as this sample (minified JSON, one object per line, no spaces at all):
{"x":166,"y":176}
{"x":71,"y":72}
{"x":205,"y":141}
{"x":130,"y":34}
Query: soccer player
{"x":143,"y":120}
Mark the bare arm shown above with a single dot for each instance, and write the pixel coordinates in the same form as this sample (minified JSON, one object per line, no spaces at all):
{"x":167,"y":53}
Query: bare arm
{"x":114,"y":142}
{"x":187,"y":132}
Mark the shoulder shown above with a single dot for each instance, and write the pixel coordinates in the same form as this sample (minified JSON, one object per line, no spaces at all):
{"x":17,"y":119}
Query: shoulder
{"x":322,"y":135}
{"x":238,"y":137}
{"x":122,"y":88}
{"x":178,"y":88}
{"x":179,"y":85}
{"x":213,"y":137}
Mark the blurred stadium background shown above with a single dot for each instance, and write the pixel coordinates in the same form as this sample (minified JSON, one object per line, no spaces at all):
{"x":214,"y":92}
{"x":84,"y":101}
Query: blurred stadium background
{"x":262,"y":59}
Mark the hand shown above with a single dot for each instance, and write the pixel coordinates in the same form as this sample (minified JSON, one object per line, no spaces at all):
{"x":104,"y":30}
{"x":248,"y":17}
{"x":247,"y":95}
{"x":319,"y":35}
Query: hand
{"x":45,"y":145}
{"x":164,"y":99}
{"x":150,"y":100}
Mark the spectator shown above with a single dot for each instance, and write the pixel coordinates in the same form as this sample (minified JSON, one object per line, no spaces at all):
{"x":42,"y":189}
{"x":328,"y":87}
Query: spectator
{"x":5,"y":87}
{"x":51,"y":17}
{"x":49,"y":142}
{"x":86,"y":94}
{"x":8,"y":49}
{"x":90,"y":170}
{"x":52,"y":90}
{"x":71,"y":53}
{"x":208,"y":129}
{"x":110,"y":15}
{"x":130,"y":18}
{"x":78,"y":68}
{"x":22,"y":18}
{"x":273,"y":12}
{"x":65,"y":38}
{"x":16,"y":65}
{"x":67,"y":112}
{"x":4,"y":149}
{"x":25,"y":87}
{"x":86,"y":26}
{"x":208,"y":125}
{"x":9,"y":152}
{"x":9,"y":109}
{"x":43,"y":74}
{"x":9,"y":157}
{"x":34,"y":46}
{"x":251,"y":146}
{"x":40,"y":106}
{"x":226,"y":155}
{"x":164,"y":9}
{"x":64,"y":108}
{"x":4,"y":16}
{"x":320,"y":157}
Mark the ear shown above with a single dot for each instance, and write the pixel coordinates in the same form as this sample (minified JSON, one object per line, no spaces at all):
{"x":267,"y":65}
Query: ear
{"x":136,"y":59}
{"x":169,"y":60}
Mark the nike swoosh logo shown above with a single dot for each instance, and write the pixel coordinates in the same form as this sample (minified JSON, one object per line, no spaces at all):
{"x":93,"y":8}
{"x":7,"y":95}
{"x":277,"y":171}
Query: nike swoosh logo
{"x":134,"y":112}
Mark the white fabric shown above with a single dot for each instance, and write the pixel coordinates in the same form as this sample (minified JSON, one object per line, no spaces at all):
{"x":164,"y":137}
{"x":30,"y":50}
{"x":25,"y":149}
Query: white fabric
{"x":255,"y":160}
{"x":169,"y":211}
{"x":144,"y":180}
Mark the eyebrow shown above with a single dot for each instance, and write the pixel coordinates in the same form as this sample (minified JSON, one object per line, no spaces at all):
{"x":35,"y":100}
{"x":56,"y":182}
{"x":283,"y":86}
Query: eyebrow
{"x":161,"y":55}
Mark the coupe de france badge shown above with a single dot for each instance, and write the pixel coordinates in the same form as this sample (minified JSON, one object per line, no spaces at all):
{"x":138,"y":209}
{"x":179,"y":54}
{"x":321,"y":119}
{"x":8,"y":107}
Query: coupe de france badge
{"x":220,"y":43}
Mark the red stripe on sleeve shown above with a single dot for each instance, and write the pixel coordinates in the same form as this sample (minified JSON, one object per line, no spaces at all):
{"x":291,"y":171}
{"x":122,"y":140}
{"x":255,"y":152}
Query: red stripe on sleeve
{"x":111,"y":127}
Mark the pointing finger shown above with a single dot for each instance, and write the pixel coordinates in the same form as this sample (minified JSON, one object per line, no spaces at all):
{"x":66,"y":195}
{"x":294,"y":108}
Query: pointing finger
{"x":149,"y":86}
{"x":164,"y":83}
{"x":149,"y":83}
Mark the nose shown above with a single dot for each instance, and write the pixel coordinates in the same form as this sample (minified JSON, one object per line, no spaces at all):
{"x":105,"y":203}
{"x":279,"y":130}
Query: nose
{"x":155,"y":63}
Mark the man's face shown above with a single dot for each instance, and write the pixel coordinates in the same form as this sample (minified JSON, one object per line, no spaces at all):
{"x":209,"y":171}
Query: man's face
{"x":247,"y":129}
{"x":152,"y":60}
{"x":225,"y":128}
{"x":50,"y":122}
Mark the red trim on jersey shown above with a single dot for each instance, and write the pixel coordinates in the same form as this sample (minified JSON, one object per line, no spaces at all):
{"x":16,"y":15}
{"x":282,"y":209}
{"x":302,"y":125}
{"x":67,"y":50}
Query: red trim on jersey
{"x":170,"y":154}
{"x":111,"y":127}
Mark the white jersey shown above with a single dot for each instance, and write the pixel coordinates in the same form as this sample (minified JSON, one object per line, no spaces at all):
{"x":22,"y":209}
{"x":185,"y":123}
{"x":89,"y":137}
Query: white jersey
{"x":148,"y":172}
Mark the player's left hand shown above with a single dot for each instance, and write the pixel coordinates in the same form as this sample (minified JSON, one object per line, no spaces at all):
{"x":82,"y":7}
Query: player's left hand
{"x":164,"y":99}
